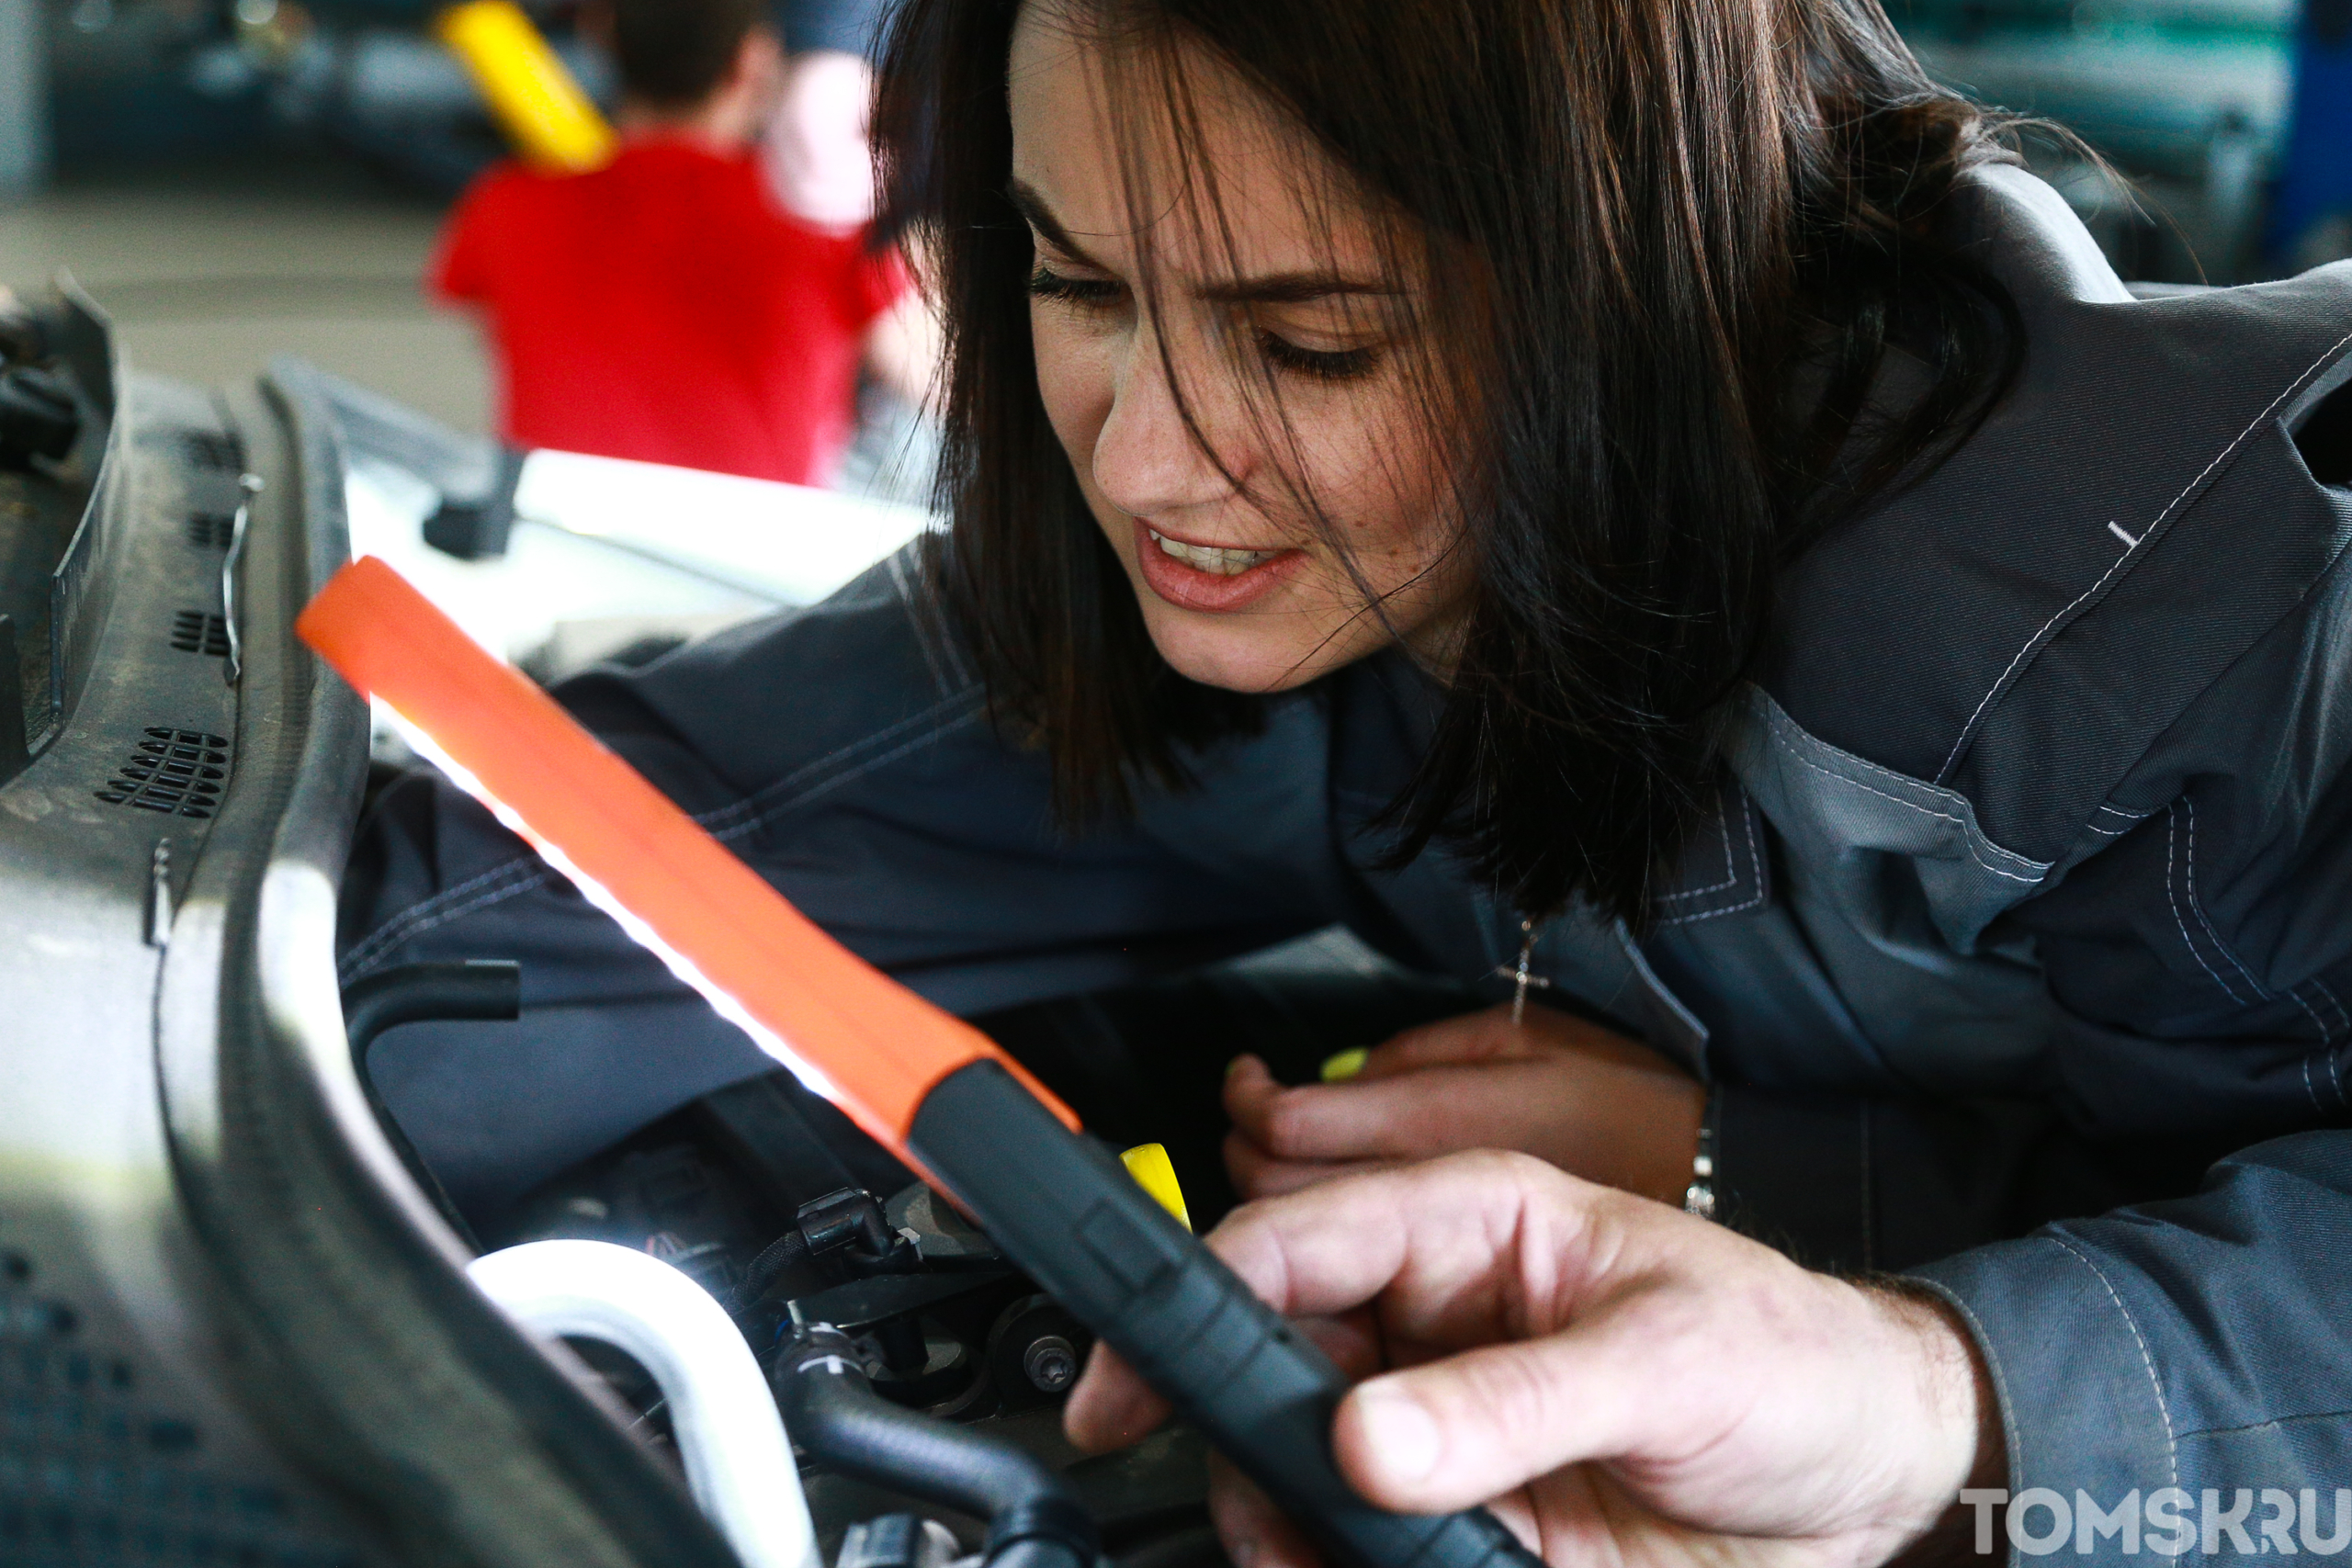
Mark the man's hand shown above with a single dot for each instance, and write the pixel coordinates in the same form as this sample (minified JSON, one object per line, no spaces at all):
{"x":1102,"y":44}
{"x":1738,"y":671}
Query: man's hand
{"x":1623,"y":1383}
{"x":1592,"y":1103}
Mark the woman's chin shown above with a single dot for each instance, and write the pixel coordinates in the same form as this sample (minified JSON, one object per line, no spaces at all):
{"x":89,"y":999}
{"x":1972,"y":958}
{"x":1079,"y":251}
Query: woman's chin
{"x":1236,"y":656}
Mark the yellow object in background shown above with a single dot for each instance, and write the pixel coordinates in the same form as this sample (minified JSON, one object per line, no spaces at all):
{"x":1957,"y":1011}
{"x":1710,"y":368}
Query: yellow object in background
{"x":1342,"y":1066}
{"x":536,"y":101}
{"x":1149,"y":1164}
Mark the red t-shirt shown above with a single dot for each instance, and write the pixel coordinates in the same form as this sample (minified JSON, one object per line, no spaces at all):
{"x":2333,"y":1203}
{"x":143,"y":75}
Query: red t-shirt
{"x":664,"y":308}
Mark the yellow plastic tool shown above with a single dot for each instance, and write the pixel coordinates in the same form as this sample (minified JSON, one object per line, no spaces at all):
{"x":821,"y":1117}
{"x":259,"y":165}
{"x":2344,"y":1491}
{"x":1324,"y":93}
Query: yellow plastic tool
{"x":536,"y":101}
{"x":1149,"y":1165}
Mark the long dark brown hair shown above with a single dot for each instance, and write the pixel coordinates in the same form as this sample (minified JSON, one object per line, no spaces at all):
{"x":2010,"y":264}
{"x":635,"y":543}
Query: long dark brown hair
{"x":1694,"y":229}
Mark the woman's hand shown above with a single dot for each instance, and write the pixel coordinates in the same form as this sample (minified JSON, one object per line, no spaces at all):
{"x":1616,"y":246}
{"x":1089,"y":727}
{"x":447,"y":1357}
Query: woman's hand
{"x":1592,"y":1103}
{"x":1623,"y":1383}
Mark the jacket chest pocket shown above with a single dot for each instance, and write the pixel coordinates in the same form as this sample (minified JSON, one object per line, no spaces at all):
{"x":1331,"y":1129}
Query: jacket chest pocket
{"x":1894,"y":887}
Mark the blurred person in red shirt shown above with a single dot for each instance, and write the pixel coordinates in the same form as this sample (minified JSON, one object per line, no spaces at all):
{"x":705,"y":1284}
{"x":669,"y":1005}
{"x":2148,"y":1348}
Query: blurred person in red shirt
{"x":666,"y":307}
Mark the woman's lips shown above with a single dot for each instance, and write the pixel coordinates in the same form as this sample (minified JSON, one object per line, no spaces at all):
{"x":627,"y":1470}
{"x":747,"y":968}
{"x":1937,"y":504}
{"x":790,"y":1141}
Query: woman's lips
{"x":1189,"y":588}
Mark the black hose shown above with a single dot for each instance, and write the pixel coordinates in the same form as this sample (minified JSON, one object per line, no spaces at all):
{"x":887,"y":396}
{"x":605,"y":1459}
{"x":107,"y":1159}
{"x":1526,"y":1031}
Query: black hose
{"x":1035,"y":1519}
{"x":768,"y":1266}
{"x":480,"y":988}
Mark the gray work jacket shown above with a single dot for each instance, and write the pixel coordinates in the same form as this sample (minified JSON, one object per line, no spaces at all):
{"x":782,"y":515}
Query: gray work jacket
{"x":2029,"y":892}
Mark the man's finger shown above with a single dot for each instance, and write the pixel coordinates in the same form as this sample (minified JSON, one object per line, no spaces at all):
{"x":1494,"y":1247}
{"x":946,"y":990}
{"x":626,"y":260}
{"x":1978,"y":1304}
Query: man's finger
{"x":1257,"y":1174}
{"x":1255,"y":1533}
{"x":1461,"y":1224}
{"x":1454,"y":1432}
{"x":1110,"y":1406}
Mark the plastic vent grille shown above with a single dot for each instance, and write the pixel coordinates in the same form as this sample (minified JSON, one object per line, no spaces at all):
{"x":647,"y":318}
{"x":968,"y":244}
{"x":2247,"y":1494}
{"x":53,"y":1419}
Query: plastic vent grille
{"x":175,"y":772}
{"x":89,"y":1474}
{"x":212,"y":530}
{"x":193,"y":631}
{"x":211,"y":449}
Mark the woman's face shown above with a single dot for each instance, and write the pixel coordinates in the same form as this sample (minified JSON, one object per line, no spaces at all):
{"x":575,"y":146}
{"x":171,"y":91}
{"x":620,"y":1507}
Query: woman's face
{"x":1288,"y":340}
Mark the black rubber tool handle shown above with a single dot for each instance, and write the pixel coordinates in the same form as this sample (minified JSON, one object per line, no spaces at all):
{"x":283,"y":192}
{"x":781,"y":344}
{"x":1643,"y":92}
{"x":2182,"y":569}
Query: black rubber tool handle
{"x":1064,"y":1210}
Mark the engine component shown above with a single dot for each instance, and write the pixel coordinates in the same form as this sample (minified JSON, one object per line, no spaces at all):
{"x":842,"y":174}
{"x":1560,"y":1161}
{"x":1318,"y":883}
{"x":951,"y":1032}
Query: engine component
{"x":896,"y":1541}
{"x":849,"y":1221}
{"x":476,"y":526}
{"x":944,"y":1237}
{"x":490,"y":988}
{"x":915,"y":1078}
{"x":1036,"y":1349}
{"x":38,"y":416}
{"x":1050,"y":1363}
{"x":1035,"y":1519}
{"x":24,"y":335}
{"x":739,"y":1464}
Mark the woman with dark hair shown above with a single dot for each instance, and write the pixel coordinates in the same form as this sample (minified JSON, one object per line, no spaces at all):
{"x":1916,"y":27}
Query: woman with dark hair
{"x":1649,"y":500}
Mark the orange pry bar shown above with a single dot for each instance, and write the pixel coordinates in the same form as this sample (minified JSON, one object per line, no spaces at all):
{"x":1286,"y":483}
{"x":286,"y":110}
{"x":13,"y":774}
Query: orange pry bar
{"x":858,"y":1036}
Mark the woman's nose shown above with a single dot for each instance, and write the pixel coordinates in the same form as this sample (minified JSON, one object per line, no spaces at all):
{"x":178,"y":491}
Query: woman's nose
{"x":1146,"y":462}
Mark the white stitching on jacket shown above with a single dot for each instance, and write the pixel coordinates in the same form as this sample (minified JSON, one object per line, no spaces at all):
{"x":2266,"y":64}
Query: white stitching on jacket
{"x":2171,"y":842}
{"x":756,"y":803}
{"x":2321,"y":987}
{"x":2145,"y":534}
{"x":430,"y":913}
{"x":2190,"y":864}
{"x":774,"y":809}
{"x":2000,"y":1383}
{"x":2172,"y":1445}
{"x":393,"y":930}
{"x":1966,"y":843}
{"x":418,"y":918}
{"x":1756,"y":863}
{"x":2326,"y":1035}
{"x":1731,"y":865}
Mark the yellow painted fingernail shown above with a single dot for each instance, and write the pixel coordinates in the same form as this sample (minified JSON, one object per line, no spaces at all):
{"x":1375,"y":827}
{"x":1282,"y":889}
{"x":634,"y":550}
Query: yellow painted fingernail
{"x":1345,"y":1065}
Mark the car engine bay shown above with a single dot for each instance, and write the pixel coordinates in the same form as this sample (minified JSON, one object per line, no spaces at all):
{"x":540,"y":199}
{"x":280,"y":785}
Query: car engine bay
{"x":235,"y":1324}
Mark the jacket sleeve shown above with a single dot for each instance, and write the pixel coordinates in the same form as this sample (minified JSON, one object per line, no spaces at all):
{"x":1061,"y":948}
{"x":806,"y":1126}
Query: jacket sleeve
{"x":2201,"y":1344}
{"x":2193,"y":1341}
{"x":845,"y":753}
{"x":2154,"y":1256}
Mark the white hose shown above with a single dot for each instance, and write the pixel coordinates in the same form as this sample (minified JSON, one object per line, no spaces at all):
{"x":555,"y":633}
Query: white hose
{"x":738,"y":1463}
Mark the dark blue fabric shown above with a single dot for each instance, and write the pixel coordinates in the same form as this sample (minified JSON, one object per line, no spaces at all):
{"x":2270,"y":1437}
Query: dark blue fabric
{"x":2030,"y":897}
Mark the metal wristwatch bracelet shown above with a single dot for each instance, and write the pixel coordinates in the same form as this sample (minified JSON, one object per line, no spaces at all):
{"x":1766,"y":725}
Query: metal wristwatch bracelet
{"x":1699,"y":1198}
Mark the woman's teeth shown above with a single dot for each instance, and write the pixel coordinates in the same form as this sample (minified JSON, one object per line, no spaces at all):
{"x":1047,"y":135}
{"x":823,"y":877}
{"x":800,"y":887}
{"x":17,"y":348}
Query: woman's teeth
{"x":1213,"y":559}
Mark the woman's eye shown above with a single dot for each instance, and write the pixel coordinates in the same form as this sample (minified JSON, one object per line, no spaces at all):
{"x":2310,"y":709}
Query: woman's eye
{"x":1091,"y":292}
{"x":1326,"y":365}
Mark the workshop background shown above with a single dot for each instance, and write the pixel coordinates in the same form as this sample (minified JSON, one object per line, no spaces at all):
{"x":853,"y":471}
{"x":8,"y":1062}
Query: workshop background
{"x":235,"y":179}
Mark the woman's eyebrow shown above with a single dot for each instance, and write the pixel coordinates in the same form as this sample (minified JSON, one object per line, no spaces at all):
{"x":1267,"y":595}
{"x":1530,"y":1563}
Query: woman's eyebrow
{"x":1293,"y":288}
{"x":1270,"y":288}
{"x":1040,"y":216}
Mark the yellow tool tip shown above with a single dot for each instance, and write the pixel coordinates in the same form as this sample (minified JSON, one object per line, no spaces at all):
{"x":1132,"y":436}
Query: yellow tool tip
{"x":1149,"y":1165}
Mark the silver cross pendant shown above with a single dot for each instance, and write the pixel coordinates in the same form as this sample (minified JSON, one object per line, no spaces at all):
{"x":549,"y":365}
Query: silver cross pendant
{"x":1521,"y":979}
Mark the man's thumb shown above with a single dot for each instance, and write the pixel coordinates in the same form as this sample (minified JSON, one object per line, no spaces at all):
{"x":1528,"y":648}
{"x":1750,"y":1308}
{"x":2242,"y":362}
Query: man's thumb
{"x":1472,"y":1426}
